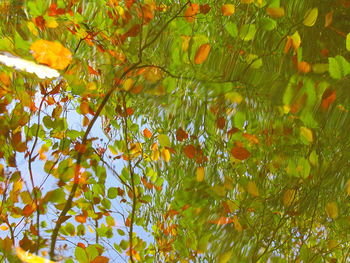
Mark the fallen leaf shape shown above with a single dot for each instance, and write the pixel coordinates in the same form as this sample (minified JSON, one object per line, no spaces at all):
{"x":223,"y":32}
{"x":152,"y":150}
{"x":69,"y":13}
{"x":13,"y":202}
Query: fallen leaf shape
{"x":51,"y":53}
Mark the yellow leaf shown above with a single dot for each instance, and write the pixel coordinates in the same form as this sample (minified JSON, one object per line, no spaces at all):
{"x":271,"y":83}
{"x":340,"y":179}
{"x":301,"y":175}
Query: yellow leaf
{"x":237,"y":224}
{"x":51,"y":53}
{"x":252,"y":189}
{"x":224,"y":258}
{"x":202,"y":54}
{"x":185,"y":42}
{"x":306,"y":134}
{"x":128,"y":84}
{"x":311,"y":17}
{"x":332,"y":244}
{"x":4,"y":228}
{"x":166,"y":155}
{"x":234,"y":97}
{"x":228,"y":9}
{"x":289,"y":197}
{"x":247,"y":1}
{"x":332,"y":210}
{"x":164,"y":140}
{"x":200,"y":174}
{"x":276,"y":12}
{"x":30,"y":258}
{"x":296,"y":40}
{"x":51,"y":22}
{"x":348,"y":187}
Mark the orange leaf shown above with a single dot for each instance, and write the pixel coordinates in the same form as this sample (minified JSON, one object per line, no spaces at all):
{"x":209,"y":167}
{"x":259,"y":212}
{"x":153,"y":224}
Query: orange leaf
{"x":100,"y":259}
{"x":240,"y":153}
{"x":80,"y":219}
{"x":190,"y":12}
{"x":147,"y":133}
{"x":181,"y":135}
{"x":221,"y":221}
{"x":228,"y":9}
{"x":328,"y":19}
{"x":251,"y":138}
{"x":28,"y":210}
{"x":190,"y":151}
{"x":202,"y":54}
{"x":92,"y":71}
{"x":276,"y":12}
{"x":84,"y":107}
{"x":304,"y":67}
{"x":51,"y":53}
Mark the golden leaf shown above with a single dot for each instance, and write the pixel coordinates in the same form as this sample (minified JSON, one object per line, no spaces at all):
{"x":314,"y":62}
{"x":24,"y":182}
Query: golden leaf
{"x":30,"y":258}
{"x":332,"y":210}
{"x":252,"y":189}
{"x":51,"y":53}
{"x":200,"y":174}
{"x":202,"y":54}
{"x":311,"y":17}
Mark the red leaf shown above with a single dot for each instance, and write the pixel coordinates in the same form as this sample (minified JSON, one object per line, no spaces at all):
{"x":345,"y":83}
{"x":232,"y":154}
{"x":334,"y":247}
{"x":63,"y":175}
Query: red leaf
{"x":328,"y":98}
{"x":240,"y":153}
{"x":92,"y":71}
{"x":181,"y":135}
{"x":204,"y":9}
{"x":221,"y":122}
{"x":190,"y":151}
{"x":147,"y":133}
{"x":81,"y":245}
{"x":28,"y":210}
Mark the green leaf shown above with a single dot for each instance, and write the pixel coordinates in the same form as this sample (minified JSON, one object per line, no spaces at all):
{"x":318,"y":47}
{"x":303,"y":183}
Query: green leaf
{"x":268,"y":24}
{"x":339,"y":67}
{"x":81,"y":255}
{"x":348,"y":41}
{"x":164,"y":140}
{"x":112,"y":192}
{"x":232,"y":29}
{"x":310,"y":17}
{"x":247,"y":32}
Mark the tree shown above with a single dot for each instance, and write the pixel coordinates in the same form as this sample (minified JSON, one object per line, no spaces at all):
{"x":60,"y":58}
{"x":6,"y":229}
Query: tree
{"x":218,"y":128}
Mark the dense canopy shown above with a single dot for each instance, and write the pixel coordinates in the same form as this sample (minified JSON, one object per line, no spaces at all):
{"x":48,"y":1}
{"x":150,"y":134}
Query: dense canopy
{"x":175,"y":131}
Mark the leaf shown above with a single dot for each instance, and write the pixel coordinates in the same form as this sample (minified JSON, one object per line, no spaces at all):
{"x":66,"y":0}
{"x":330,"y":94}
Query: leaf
{"x":328,"y":97}
{"x":181,"y":135}
{"x":191,"y":11}
{"x":240,"y":153}
{"x":202,"y":54}
{"x":51,"y":53}
{"x":100,"y":259}
{"x":190,"y":151}
{"x":30,"y":258}
{"x":147,"y":133}
{"x":166,"y":155}
{"x":231,"y":29}
{"x":200,"y":173}
{"x":221,"y":221}
{"x":304,"y":67}
{"x":348,"y":41}
{"x":224,"y":258}
{"x":164,"y":140}
{"x":296,"y":40}
{"x":81,"y":219}
{"x":289,"y":197}
{"x":276,"y":12}
{"x":4,"y":228}
{"x":332,"y":210}
{"x":348,"y":187}
{"x":306,"y":134}
{"x":227,"y":9}
{"x":339,"y":67}
{"x":247,"y":32}
{"x":328,"y":19}
{"x":234,"y":97}
{"x":311,"y":17}
{"x":252,"y":189}
{"x":204,"y":9}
